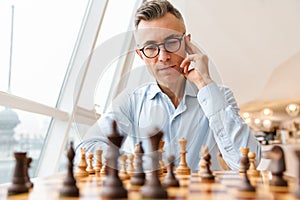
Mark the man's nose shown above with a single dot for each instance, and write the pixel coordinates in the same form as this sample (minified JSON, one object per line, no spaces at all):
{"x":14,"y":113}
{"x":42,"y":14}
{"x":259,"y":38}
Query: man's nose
{"x":163,"y":54}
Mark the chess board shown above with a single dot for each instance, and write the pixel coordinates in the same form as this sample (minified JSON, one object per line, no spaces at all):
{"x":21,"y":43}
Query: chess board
{"x":224,"y":187}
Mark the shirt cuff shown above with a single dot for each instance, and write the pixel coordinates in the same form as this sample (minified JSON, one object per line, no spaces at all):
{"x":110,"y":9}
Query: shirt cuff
{"x":211,"y":99}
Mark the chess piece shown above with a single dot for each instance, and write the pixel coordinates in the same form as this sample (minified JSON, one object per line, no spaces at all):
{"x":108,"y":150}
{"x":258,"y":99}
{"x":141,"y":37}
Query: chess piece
{"x":277,"y":166}
{"x":98,"y":164}
{"x":113,"y":187}
{"x":130,"y":168}
{"x":243,"y":168}
{"x":103,"y":170}
{"x":139,"y":176}
{"x":252,"y":172}
{"x":170,"y":179}
{"x":183,"y":168}
{"x":82,"y":165}
{"x":162,"y":166}
{"x":90,"y":169}
{"x":153,"y":188}
{"x":206,"y":175}
{"x":19,"y":180}
{"x":123,"y":172}
{"x":297,"y":191}
{"x":69,"y":187}
{"x":28,"y":161}
{"x":202,"y":163}
{"x":245,"y":185}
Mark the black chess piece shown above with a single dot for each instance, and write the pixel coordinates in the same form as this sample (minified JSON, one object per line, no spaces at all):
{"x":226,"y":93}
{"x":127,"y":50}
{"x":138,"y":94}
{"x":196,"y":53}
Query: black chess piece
{"x":139,"y":176}
{"x":69,"y":187}
{"x":245,"y":185}
{"x":28,"y":161}
{"x":18,"y":185}
{"x":153,"y":188}
{"x":113,"y":187}
{"x":207,"y":175}
{"x":297,"y":191}
{"x":277,"y":166}
{"x":170,"y":180}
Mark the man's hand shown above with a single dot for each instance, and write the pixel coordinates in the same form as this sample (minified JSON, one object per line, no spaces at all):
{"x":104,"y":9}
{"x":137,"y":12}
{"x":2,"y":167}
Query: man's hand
{"x":195,"y":65}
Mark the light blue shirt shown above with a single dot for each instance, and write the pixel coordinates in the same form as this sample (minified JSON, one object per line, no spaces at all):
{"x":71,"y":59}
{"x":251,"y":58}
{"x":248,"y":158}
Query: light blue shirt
{"x":204,"y":117}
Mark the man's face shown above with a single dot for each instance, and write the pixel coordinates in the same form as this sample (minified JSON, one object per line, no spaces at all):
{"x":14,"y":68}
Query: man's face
{"x":167,"y":29}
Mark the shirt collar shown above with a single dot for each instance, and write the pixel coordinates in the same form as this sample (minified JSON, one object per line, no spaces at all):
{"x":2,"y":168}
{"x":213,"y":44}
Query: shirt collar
{"x":190,"y":90}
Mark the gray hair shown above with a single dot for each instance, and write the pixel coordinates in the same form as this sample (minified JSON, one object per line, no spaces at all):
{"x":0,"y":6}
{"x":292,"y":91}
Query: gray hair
{"x":155,"y":9}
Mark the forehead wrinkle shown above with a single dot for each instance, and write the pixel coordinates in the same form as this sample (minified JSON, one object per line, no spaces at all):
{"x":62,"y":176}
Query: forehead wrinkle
{"x":155,"y":42}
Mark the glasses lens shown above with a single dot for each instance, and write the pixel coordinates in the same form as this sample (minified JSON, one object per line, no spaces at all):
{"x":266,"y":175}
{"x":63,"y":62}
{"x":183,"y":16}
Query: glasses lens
{"x":172,"y":45}
{"x":151,"y":50}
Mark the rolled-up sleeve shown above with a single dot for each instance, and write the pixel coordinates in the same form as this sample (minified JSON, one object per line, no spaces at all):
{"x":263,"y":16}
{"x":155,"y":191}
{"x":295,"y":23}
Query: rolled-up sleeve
{"x":230,"y":131}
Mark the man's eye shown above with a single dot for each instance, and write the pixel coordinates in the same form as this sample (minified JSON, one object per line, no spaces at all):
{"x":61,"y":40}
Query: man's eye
{"x":172,"y":42}
{"x":151,"y":47}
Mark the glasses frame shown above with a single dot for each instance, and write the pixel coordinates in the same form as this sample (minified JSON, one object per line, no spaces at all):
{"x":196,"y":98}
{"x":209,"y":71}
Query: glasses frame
{"x":163,"y":43}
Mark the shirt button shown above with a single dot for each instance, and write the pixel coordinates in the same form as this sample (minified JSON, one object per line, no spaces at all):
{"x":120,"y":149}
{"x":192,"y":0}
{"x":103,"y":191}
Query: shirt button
{"x":204,"y":102}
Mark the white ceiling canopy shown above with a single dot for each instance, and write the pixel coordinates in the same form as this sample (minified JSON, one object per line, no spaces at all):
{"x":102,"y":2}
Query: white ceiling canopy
{"x":254,"y":44}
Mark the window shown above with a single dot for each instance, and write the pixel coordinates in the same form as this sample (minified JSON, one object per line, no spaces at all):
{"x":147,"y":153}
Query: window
{"x":117,"y":21}
{"x":44,"y":35}
{"x":23,"y":132}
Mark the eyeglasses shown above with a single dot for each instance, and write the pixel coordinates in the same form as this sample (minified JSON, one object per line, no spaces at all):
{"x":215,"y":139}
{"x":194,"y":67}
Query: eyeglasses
{"x":171,"y":45}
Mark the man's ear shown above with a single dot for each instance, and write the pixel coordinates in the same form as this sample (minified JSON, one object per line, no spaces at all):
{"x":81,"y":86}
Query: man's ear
{"x":138,"y":52}
{"x":189,"y":36}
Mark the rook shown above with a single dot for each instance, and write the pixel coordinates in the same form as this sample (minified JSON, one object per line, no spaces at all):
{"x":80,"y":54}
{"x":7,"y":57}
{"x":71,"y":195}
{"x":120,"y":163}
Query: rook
{"x":98,"y":164}
{"x":19,"y":180}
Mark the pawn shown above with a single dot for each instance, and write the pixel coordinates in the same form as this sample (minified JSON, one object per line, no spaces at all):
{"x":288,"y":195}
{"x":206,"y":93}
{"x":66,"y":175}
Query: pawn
{"x":162,"y":166}
{"x":243,"y":168}
{"x":206,"y":175}
{"x":98,"y":164}
{"x":277,"y":166}
{"x":183,"y":168}
{"x":297,"y":191}
{"x":252,"y":172}
{"x":202,"y":163}
{"x":245,"y":185}
{"x":103,"y":170}
{"x":130,"y":168}
{"x":170,"y":180}
{"x":90,"y":169}
{"x":139,"y":176}
{"x":82,"y":165}
{"x":69,"y":188}
{"x":123,"y":172}
{"x":19,"y":181}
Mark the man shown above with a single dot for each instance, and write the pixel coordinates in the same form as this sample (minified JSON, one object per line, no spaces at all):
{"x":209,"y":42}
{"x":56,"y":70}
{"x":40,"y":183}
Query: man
{"x":184,"y":102}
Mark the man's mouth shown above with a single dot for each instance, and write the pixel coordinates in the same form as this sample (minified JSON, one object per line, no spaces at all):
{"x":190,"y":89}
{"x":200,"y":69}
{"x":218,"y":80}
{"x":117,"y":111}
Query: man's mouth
{"x":166,"y":67}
